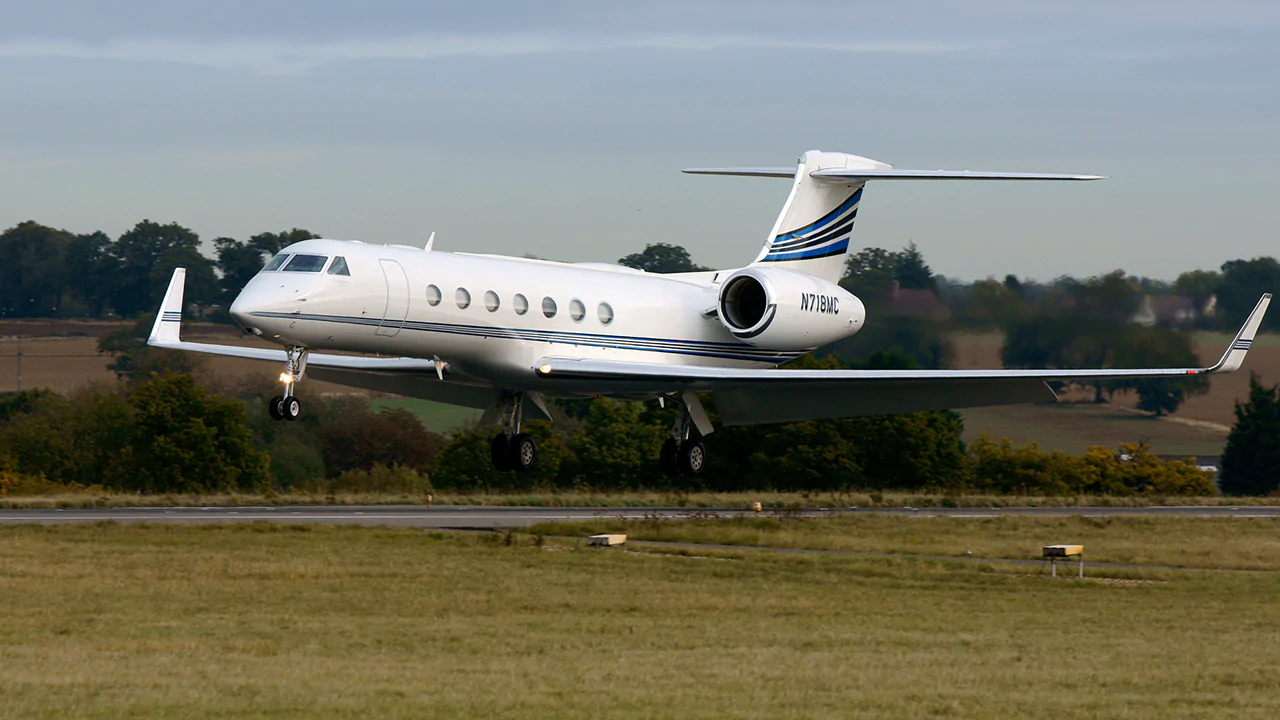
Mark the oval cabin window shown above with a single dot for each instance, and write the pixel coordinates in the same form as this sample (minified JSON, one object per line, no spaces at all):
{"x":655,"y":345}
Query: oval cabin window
{"x":520,"y":303}
{"x":605,"y":312}
{"x":577,"y":310}
{"x":548,"y":307}
{"x":433,"y":295}
{"x":491,"y":301}
{"x":463,"y":297}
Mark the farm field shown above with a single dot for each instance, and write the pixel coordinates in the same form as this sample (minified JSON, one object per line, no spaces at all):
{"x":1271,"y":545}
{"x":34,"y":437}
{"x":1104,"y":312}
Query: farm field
{"x":207,"y":621}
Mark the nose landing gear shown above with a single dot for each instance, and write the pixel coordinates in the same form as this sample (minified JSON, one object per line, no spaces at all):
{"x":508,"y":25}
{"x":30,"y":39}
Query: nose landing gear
{"x":512,"y":449}
{"x":287,"y":406}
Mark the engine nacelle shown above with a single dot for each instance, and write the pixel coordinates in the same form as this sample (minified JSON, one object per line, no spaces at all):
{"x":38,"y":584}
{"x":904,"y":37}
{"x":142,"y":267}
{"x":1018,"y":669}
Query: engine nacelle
{"x":787,"y":310}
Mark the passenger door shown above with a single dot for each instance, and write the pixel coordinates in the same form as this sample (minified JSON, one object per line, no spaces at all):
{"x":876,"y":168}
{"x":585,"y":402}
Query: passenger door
{"x":397,"y":309}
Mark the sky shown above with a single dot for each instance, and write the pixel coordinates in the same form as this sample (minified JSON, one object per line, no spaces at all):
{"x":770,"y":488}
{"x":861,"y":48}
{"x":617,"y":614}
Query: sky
{"x":558,"y":128}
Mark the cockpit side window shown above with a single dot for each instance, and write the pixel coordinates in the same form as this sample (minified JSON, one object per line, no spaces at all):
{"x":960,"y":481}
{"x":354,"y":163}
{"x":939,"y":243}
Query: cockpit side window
{"x":306,"y":263}
{"x":339,"y":266}
{"x":276,"y":262}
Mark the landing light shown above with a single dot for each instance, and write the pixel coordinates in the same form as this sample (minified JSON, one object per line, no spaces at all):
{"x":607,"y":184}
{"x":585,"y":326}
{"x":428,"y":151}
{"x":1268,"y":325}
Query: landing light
{"x":286,"y":378}
{"x":545,"y":368}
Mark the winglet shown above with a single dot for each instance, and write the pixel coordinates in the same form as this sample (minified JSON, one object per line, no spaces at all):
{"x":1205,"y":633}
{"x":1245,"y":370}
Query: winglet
{"x":430,"y":241}
{"x":169,"y":319}
{"x":1234,"y":355}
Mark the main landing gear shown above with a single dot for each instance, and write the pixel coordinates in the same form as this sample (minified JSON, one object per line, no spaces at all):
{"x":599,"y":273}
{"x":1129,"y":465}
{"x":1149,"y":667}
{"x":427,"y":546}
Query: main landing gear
{"x":512,"y":449}
{"x":287,"y":406}
{"x":683,"y":454}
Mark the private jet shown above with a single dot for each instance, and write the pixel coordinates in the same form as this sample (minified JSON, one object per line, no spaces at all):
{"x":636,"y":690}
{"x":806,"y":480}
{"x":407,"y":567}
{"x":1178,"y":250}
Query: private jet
{"x":503,"y":334}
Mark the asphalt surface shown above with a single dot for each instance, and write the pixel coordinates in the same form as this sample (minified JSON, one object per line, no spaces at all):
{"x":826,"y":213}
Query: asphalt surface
{"x":472,"y":517}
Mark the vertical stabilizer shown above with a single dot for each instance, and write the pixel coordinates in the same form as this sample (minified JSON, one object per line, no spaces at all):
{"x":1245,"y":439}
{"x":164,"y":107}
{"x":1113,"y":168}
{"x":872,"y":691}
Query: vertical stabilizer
{"x":812,"y":232}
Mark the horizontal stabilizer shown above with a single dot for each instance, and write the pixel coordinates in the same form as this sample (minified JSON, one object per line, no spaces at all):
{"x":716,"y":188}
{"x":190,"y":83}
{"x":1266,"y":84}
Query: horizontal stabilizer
{"x":773,"y":172}
{"x":895,"y":174}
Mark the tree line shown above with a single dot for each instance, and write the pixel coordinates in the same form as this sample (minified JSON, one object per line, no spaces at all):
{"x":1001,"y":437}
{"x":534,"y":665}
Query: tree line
{"x":52,"y":273}
{"x":169,"y":433}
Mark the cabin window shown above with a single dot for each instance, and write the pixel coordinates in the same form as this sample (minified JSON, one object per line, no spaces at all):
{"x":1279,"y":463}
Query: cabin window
{"x":463,"y":298}
{"x":306,"y":263}
{"x":433,"y":295}
{"x":548,"y":307}
{"x":339,"y":266}
{"x":577,"y":310}
{"x":605,"y":312}
{"x":491,"y":301}
{"x":276,"y":262}
{"x":520,"y":303}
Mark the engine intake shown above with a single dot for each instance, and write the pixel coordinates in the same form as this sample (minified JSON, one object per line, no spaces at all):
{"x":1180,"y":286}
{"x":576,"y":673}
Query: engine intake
{"x":787,"y":310}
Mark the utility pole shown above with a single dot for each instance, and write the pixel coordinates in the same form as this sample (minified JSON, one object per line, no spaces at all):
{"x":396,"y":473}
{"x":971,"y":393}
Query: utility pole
{"x":19,"y":363}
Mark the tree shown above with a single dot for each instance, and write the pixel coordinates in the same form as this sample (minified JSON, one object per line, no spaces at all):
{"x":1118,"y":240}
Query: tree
{"x":92,"y":270}
{"x":1251,"y":460}
{"x":186,"y":439}
{"x":661,"y":258}
{"x":34,"y":274}
{"x":1158,"y":347}
{"x":147,"y":255}
{"x":238,"y":263}
{"x":912,"y":272}
{"x":1243,"y":282}
{"x":271,"y":243}
{"x":869,"y":274}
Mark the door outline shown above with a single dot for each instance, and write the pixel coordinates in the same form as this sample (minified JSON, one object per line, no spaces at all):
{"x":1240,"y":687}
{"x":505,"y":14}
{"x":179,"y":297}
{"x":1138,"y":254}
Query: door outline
{"x":396,"y":309}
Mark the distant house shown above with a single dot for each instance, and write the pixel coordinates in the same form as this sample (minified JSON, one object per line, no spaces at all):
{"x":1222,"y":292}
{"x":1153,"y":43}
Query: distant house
{"x":1166,"y":311}
{"x":923,"y":304}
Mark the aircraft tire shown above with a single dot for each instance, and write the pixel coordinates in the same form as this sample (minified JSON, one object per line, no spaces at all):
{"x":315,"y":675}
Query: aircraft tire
{"x":500,"y":453}
{"x":524,"y":452}
{"x":693,"y":457}
{"x":669,"y":458}
{"x":275,"y":407}
{"x":291,"y":408}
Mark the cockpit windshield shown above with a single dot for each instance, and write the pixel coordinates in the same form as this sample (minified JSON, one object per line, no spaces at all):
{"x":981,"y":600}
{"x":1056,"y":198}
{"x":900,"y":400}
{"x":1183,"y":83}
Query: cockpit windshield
{"x":276,"y":262}
{"x":306,"y":263}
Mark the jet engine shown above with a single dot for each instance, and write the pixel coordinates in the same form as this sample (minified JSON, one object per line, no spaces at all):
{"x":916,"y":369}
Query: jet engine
{"x":787,"y":310}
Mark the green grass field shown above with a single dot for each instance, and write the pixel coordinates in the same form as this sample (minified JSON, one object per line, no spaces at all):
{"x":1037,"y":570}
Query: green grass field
{"x":436,"y":417}
{"x":266,"y":621}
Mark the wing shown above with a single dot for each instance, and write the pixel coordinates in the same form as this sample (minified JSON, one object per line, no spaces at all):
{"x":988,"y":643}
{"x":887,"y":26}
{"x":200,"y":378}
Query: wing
{"x":747,"y":397}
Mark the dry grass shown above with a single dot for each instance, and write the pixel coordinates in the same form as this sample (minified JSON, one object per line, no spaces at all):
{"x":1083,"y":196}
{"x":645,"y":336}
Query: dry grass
{"x":116,"y":621}
{"x":1206,"y":543}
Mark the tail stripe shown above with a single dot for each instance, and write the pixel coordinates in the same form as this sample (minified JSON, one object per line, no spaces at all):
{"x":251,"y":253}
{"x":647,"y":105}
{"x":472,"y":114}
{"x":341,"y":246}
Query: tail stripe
{"x":822,"y":221}
{"x":818,"y":239}
{"x":821,"y":252}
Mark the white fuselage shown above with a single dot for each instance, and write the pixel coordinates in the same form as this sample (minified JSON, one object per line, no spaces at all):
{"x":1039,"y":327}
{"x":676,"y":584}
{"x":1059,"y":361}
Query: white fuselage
{"x":388,"y":305}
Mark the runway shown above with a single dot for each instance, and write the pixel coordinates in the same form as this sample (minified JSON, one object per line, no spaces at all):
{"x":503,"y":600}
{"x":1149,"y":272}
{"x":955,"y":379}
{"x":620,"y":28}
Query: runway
{"x":490,"y":518}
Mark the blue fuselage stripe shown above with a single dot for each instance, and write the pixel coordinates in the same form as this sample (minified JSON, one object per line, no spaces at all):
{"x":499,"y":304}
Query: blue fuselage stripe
{"x":699,"y":348}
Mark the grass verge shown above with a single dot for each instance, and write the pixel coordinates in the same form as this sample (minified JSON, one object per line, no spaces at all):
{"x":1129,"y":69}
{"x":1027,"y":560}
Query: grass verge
{"x":1204,"y":543}
{"x":299,"y":621}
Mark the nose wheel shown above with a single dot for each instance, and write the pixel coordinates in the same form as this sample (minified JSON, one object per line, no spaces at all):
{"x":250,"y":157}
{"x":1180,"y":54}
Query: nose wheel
{"x":287,"y":406}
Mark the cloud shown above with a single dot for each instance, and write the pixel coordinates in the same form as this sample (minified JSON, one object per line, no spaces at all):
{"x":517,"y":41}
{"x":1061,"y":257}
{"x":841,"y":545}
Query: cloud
{"x":286,"y":57}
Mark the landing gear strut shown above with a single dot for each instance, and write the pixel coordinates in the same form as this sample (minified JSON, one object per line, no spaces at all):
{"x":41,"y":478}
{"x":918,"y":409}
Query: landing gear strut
{"x":683,"y":454}
{"x":287,"y":406}
{"x":512,"y":449}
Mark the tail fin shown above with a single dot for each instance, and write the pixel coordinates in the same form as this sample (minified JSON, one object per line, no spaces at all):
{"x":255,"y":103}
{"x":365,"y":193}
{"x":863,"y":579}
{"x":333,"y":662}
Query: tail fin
{"x":812,"y":232}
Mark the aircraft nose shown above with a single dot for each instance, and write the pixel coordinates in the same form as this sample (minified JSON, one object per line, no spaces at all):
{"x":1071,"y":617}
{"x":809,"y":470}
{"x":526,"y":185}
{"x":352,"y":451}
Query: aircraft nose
{"x":243,"y":308}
